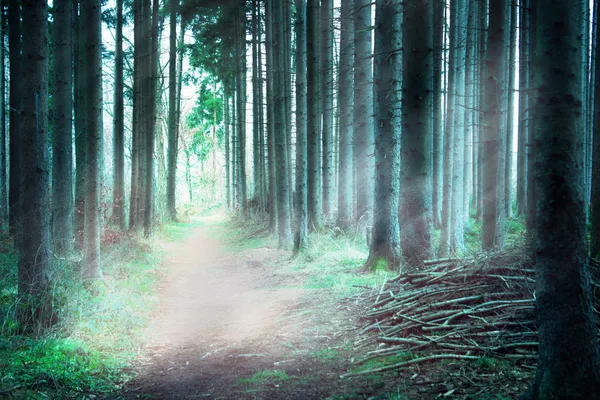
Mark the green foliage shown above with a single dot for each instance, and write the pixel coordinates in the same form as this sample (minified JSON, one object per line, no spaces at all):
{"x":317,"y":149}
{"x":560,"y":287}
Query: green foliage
{"x":489,"y":364}
{"x":97,"y":336}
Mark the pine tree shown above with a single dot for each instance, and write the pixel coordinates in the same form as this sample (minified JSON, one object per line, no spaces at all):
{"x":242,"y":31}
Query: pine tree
{"x":118,"y":214}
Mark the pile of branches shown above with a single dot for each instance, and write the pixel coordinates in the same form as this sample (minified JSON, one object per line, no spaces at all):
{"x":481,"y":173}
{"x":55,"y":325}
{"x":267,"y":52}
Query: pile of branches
{"x":482,"y":306}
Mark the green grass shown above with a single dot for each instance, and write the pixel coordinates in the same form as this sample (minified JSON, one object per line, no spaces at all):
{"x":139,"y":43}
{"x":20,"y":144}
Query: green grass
{"x":91,"y":348}
{"x":263,"y":377}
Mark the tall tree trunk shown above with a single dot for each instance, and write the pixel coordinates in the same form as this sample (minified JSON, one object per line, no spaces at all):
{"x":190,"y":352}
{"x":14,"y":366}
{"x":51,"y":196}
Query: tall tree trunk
{"x":93,"y":74}
{"x":255,"y":104}
{"x":80,"y":124}
{"x":568,"y":364}
{"x":438,"y":111}
{"x":62,"y":146}
{"x":270,"y":123}
{"x":282,"y":162}
{"x":595,"y":196}
{"x":460,"y":130}
{"x":3,"y":149}
{"x":346,"y":105}
{"x":315,"y":204}
{"x":173,"y":132}
{"x":449,"y":133}
{"x":241,"y":104}
{"x":118,"y":215}
{"x":151,"y":121}
{"x":416,"y":220}
{"x":301,"y":233}
{"x":135,"y":194}
{"x":327,"y":99}
{"x":385,"y":243}
{"x":481,"y":55}
{"x":523,"y":107}
{"x":532,"y":118}
{"x":470,"y":104}
{"x":511,"y":111}
{"x":14,"y":44}
{"x":364,"y":123}
{"x":34,"y":235}
{"x":493,"y":140}
{"x":227,"y":147}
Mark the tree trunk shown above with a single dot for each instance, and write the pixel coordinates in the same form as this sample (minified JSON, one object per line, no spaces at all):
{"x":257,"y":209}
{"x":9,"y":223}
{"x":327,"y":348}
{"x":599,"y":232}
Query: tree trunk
{"x":270,"y":124}
{"x":532,"y":118}
{"x":314,"y":185}
{"x":327,"y":99}
{"x":346,"y":104}
{"x":416,"y":140}
{"x":14,"y":43}
{"x":93,"y":78}
{"x":282,"y":162}
{"x":364,"y":124}
{"x":227,"y":147}
{"x":595,"y":196}
{"x":118,"y":215}
{"x":493,"y":140}
{"x":241,"y":105}
{"x":470,"y":104}
{"x":137,"y":121}
{"x":523,"y":107}
{"x":301,"y":233}
{"x":446,"y":228}
{"x":255,"y":104}
{"x":511,"y":112}
{"x":173,"y":132}
{"x":438,"y":111}
{"x":385,"y":243}
{"x":568,"y":366}
{"x":34,"y":236}
{"x":3,"y":149}
{"x":62,"y":144}
{"x":151,"y":121}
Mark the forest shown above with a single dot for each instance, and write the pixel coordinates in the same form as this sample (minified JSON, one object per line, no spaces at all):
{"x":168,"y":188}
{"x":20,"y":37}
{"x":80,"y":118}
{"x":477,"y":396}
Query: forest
{"x":299,"y":199}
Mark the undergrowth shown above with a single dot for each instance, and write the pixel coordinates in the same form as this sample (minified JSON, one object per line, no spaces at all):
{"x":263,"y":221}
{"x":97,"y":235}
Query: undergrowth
{"x":90,"y":349}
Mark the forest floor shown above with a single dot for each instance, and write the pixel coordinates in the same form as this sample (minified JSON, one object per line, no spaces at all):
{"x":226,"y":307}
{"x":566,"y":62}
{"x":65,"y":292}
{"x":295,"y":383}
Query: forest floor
{"x":240,"y":319}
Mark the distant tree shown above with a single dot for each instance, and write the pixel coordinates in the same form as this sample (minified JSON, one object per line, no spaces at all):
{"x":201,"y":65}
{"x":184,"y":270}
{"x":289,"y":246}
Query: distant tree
{"x":79,"y":123}
{"x":256,"y":106}
{"x":173,"y":122}
{"x":494,"y":137}
{"x":326,"y":24}
{"x":595,"y":209}
{"x":315,"y":204}
{"x":301,"y":231}
{"x":282,"y":162}
{"x":416,"y":222}
{"x":346,"y":105}
{"x":364,"y":124}
{"x":510,"y":109}
{"x":3,"y":149}
{"x":568,"y":363}
{"x":62,"y":135}
{"x":271,"y":154}
{"x":92,"y":12}
{"x":438,"y":111}
{"x":14,"y":45}
{"x":523,"y":107}
{"x":34,"y":237}
{"x":118,"y":215}
{"x":240,"y":66}
{"x":385,"y":243}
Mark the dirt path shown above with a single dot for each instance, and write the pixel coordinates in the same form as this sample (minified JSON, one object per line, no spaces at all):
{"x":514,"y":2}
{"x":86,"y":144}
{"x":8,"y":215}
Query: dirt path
{"x":231,"y":328}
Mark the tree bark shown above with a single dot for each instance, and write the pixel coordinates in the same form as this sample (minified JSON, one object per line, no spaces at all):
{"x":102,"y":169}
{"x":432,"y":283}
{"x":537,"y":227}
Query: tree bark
{"x":34,"y":236}
{"x":523,"y":107}
{"x":416,"y":219}
{"x":568,"y":364}
{"x":301,"y":232}
{"x":327,"y":99}
{"x":511,"y":112}
{"x":364,"y":123}
{"x":315,"y":204}
{"x":14,"y":43}
{"x":282,"y":162}
{"x":3,"y":149}
{"x":118,"y":214}
{"x":173,"y":139}
{"x":93,"y":72}
{"x":493,"y":141}
{"x":595,"y":209}
{"x":385,"y":243}
{"x":438,"y":111}
{"x":346,"y":104}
